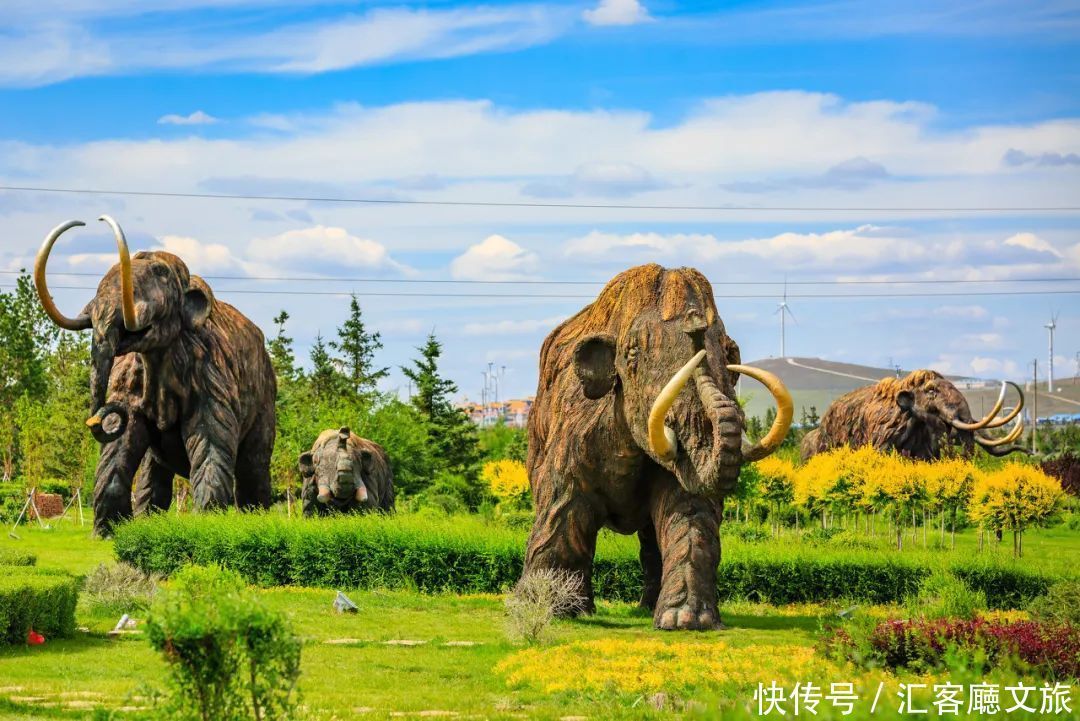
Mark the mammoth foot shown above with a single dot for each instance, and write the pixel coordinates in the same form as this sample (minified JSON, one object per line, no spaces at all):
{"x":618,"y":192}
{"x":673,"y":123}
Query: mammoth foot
{"x":687,"y":617}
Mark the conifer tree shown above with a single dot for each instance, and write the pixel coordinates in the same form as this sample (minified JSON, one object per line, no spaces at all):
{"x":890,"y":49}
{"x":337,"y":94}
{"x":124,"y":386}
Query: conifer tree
{"x":358,"y":346}
{"x":325,"y":378}
{"x":281,"y":351}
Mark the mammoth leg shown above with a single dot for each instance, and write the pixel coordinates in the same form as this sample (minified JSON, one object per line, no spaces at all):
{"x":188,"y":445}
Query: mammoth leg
{"x":688,"y":533}
{"x":309,"y":497}
{"x":564,"y":537}
{"x":253,"y":465}
{"x":211,"y":437}
{"x":116,"y":468}
{"x":153,"y":487}
{"x":651,"y":567}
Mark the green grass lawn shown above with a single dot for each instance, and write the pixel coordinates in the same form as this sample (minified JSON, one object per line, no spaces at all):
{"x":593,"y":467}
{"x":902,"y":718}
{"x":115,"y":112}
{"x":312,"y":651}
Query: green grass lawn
{"x":407,"y":655}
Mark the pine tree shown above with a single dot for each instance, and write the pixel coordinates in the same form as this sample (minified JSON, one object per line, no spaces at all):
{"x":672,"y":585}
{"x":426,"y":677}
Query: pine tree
{"x":452,"y":435}
{"x":358,"y":347}
{"x":325,"y":379}
{"x":281,"y":351}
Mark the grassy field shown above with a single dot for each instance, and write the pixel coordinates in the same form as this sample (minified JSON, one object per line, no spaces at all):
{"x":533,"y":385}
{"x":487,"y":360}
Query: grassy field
{"x":408,"y":655}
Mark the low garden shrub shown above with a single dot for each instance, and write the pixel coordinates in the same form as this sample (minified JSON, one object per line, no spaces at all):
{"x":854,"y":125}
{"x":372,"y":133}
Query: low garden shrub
{"x":118,"y":589}
{"x":229,"y":657}
{"x":32,"y":599}
{"x":925,"y":645}
{"x":14,"y":557}
{"x":1060,"y":604}
{"x":432,"y":553}
{"x":540,"y":597}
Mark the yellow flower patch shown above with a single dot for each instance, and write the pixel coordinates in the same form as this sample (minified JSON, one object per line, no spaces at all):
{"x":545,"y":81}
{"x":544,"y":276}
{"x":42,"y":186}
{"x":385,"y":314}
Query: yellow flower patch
{"x":651,"y":665}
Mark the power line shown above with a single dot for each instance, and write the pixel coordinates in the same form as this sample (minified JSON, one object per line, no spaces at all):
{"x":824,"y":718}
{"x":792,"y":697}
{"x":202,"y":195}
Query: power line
{"x":526,"y":204}
{"x":747,"y":296}
{"x":320,"y":279}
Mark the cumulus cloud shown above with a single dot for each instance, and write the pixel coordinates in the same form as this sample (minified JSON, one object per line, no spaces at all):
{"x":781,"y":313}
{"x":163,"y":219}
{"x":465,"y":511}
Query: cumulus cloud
{"x":1017,"y":158}
{"x":853,"y":174}
{"x":494,"y":258}
{"x":507,"y":327}
{"x":196,"y":118}
{"x":326,"y":246}
{"x":597,"y":179}
{"x":201,"y":257}
{"x":617,"y":12}
{"x":1030,"y":241}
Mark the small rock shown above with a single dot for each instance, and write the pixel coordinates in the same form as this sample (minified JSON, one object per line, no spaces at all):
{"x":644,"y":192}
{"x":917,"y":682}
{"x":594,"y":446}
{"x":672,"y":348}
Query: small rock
{"x":344,"y":604}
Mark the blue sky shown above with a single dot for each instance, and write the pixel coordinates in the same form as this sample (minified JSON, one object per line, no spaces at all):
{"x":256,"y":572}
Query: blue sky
{"x":841,"y":105}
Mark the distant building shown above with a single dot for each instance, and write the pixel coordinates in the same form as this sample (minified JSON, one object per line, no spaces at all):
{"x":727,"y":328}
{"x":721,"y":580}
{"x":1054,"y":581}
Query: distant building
{"x":514,"y":412}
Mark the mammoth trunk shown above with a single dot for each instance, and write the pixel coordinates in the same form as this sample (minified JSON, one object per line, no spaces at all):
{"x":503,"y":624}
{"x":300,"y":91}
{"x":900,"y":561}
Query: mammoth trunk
{"x":102,"y":356}
{"x":714,"y":446}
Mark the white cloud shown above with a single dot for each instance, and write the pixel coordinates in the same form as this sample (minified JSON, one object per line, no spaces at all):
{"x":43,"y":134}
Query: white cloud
{"x":506,"y":327}
{"x":40,"y":50}
{"x":1031,"y":241}
{"x":201,"y":258}
{"x":196,"y":118}
{"x":617,"y":12}
{"x":494,"y":258}
{"x":327,"y":246}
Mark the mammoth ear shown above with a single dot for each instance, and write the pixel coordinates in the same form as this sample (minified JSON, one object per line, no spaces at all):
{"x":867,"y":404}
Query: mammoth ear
{"x":594,"y":363}
{"x":906,"y":401}
{"x":307,"y":465}
{"x":198,"y":301}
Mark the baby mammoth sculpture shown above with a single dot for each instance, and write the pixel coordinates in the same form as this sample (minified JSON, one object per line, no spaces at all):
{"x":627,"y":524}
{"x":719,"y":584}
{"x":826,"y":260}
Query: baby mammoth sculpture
{"x":617,"y":440}
{"x":345,"y":473}
{"x":181,"y":384}
{"x":915,"y":416}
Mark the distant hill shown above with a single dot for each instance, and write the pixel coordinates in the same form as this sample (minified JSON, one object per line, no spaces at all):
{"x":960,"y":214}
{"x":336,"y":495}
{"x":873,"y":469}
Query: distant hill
{"x":817,"y":382}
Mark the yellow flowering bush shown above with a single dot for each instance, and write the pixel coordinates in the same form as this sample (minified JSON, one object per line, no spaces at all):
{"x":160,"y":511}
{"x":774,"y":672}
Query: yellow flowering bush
{"x":649,"y":665}
{"x":1013,"y":497}
{"x":507,"y":479}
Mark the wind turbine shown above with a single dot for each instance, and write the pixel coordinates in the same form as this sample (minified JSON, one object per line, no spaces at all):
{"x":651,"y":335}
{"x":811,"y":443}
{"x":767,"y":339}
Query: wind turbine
{"x":1051,"y":326}
{"x":784,"y":311}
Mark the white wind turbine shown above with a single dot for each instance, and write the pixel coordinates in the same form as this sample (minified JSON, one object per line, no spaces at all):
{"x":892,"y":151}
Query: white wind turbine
{"x":1051,"y":326}
{"x":784,"y":311}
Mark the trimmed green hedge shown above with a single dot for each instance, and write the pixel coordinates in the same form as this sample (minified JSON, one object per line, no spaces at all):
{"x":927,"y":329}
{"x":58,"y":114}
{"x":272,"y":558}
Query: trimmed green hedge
{"x":464,"y":555}
{"x":13,"y":557}
{"x":33,"y":599}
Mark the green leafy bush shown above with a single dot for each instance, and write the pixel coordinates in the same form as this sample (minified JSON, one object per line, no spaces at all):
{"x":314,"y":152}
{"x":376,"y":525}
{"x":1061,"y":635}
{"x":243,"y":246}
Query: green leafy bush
{"x":943,"y":595}
{"x":14,"y":557}
{"x":1060,"y":604}
{"x":431,"y":552}
{"x":33,"y":599}
{"x":120,"y":588}
{"x":229,"y":657}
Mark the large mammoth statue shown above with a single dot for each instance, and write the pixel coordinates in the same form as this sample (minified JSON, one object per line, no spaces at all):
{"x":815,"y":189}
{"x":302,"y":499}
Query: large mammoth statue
{"x":635,"y":428}
{"x":345,"y":473}
{"x":181,"y":383}
{"x":916,"y":416}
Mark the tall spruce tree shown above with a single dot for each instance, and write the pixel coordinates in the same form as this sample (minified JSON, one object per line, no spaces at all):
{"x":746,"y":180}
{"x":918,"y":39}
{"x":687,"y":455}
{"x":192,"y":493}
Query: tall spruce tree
{"x":357,"y":347}
{"x":452,"y":436}
{"x":281,"y":350}
{"x":325,"y":379}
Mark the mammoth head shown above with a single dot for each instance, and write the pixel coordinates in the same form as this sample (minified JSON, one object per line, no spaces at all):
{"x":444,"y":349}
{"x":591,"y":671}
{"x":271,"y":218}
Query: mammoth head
{"x":337,"y":468}
{"x":936,"y":409}
{"x":143,"y":303}
{"x":667,"y":333}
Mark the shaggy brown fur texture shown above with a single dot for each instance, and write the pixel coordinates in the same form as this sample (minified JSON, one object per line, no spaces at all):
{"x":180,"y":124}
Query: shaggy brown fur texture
{"x":590,"y":463}
{"x":196,"y":387}
{"x":873,"y":416}
{"x":341,"y":462}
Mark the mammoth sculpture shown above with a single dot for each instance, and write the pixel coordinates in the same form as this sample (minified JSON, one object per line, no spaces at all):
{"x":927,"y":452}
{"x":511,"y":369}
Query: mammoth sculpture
{"x":345,"y":473}
{"x":181,"y":384}
{"x":916,"y":416}
{"x":634,"y":428}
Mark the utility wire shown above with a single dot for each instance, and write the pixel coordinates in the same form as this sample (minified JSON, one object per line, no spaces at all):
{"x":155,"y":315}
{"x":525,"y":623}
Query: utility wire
{"x":525,"y":204}
{"x":590,"y":297}
{"x":310,"y":279}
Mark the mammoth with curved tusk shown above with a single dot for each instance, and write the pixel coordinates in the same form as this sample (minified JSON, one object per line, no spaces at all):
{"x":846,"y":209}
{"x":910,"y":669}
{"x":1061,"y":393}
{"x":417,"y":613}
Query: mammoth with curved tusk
{"x":915,"y":416}
{"x":635,"y":428}
{"x":345,"y":473}
{"x":181,"y":384}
